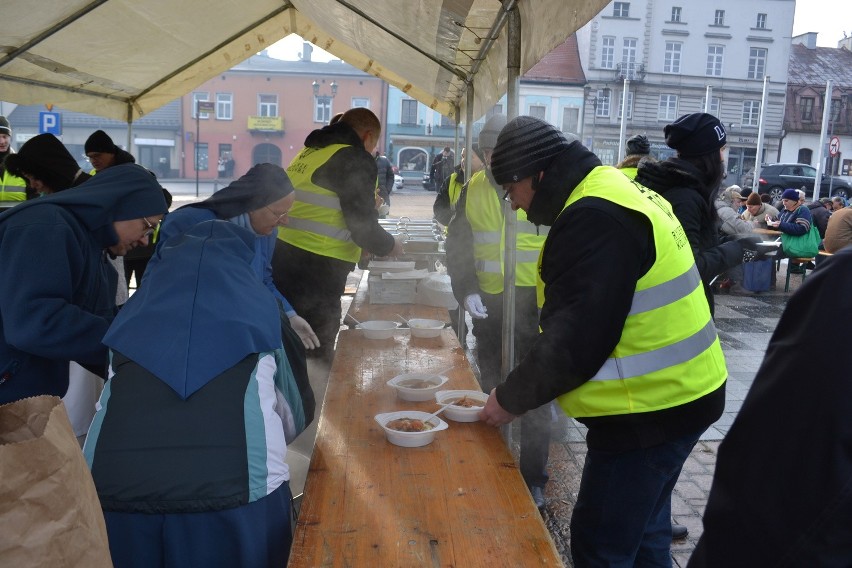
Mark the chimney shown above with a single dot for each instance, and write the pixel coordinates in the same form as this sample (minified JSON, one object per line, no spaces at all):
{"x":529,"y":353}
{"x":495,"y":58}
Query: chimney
{"x":307,"y":49}
{"x":845,"y":43}
{"x":808,"y":39}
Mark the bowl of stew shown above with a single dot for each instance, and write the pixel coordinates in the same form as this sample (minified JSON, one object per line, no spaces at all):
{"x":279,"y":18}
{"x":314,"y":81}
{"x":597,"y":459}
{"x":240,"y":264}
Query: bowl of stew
{"x":417,"y":387}
{"x":464,"y":405}
{"x":410,"y":428}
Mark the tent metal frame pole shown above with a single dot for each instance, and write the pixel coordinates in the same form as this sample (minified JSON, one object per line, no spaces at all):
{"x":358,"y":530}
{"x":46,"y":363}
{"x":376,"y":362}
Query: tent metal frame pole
{"x":468,"y":143}
{"x":510,"y":218}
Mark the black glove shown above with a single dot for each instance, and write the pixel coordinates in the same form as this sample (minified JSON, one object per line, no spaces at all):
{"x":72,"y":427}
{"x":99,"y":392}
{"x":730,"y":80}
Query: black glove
{"x":748,"y":241}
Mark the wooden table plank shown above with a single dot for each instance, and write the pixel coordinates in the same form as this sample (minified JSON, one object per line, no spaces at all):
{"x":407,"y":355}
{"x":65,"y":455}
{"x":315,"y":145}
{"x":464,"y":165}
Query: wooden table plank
{"x":459,"y":501}
{"x":362,"y":310}
{"x":772,"y":232}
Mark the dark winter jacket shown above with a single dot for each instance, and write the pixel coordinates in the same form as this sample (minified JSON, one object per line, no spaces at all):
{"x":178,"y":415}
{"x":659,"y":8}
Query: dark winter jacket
{"x":385,"y":176}
{"x":592,"y":259}
{"x":796,"y":222}
{"x":783,"y":496}
{"x":442,"y":208}
{"x":678,"y":181}
{"x":820,"y":216}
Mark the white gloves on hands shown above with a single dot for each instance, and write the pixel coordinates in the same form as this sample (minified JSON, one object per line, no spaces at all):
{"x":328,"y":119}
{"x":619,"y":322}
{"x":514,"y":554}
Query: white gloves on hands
{"x":306,"y":333}
{"x":473,"y":305}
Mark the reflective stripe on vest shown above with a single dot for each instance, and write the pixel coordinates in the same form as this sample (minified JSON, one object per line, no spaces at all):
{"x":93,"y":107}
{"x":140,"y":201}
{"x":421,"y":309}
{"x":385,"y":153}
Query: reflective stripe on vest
{"x":669,"y":353}
{"x":12,"y":188}
{"x":316,"y":221}
{"x":485,"y":214}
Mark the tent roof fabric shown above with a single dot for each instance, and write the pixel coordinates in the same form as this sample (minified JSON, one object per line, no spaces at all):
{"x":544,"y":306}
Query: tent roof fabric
{"x":124,"y":58}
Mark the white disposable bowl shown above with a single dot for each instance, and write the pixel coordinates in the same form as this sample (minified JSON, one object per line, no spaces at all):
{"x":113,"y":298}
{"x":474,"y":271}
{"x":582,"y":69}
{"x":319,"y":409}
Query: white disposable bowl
{"x":377,"y":329}
{"x":461,"y":413}
{"x":418,"y":393}
{"x":425,"y":327}
{"x":410,"y":439}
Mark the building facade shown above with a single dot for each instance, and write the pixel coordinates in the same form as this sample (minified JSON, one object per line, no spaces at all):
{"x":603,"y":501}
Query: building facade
{"x":262,"y":109}
{"x":810,"y":69}
{"x":670,"y":55}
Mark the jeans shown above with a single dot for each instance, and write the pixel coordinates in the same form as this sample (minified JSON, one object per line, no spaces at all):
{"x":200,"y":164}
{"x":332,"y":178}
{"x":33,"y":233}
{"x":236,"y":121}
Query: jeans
{"x":623,"y":512}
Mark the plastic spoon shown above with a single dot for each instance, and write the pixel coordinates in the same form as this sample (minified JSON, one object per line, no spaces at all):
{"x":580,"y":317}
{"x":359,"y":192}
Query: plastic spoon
{"x":353,"y":319}
{"x":408,"y":323}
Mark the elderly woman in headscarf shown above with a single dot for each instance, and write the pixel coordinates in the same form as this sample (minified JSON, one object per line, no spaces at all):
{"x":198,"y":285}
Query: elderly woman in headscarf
{"x":188,"y":447}
{"x":57,"y":290}
{"x":258,"y":201}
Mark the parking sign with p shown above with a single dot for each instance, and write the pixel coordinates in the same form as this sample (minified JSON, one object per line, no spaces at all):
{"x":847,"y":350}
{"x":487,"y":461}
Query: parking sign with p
{"x":50,"y":123}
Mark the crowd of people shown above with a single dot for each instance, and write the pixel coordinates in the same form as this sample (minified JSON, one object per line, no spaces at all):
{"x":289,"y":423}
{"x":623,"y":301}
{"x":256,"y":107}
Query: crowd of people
{"x":206,"y":363}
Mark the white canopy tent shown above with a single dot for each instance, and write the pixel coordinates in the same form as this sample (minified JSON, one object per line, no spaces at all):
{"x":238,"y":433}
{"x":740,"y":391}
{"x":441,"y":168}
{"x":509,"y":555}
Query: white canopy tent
{"x":124,"y":58}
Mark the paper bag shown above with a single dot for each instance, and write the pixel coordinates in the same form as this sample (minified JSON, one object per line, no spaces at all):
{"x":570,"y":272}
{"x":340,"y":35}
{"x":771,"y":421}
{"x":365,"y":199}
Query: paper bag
{"x":49,"y":509}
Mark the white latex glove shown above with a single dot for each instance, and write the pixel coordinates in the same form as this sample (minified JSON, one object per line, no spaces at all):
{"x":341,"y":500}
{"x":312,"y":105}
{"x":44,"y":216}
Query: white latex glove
{"x":306,"y":333}
{"x":473,"y":305}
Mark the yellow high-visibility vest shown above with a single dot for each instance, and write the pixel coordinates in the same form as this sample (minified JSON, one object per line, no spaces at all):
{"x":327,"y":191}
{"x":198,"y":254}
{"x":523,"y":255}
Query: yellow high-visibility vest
{"x":485,"y":215}
{"x":669,"y":353}
{"x":12,"y":188}
{"x":316,"y":220}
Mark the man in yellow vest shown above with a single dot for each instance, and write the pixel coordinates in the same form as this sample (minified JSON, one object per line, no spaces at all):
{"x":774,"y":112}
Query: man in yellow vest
{"x":448,"y":195}
{"x":475,"y":248}
{"x":12,"y":188}
{"x":334,"y":217}
{"x":627,"y":345}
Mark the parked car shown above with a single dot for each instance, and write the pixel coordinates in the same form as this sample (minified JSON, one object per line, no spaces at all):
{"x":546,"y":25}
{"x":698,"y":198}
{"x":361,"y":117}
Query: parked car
{"x":775,"y":178}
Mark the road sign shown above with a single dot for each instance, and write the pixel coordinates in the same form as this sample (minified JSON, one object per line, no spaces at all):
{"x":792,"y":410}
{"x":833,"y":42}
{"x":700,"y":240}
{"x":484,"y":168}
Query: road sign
{"x":50,"y":123}
{"x":834,"y":146}
{"x":205,"y":106}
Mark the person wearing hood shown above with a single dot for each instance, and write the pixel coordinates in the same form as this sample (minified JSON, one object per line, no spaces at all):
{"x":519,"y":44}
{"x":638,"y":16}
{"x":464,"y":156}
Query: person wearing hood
{"x":259,"y":201}
{"x":638,"y":148}
{"x":12,"y":187}
{"x":187,"y":449}
{"x":820,"y":216}
{"x":690,"y":182}
{"x":333,"y":219}
{"x":475,"y":249}
{"x":47,"y":166}
{"x":103,"y":153}
{"x":627,"y":344}
{"x":57,"y":290}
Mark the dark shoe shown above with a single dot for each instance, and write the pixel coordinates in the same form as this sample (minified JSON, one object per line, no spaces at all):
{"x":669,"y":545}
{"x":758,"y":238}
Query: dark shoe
{"x":679,"y":531}
{"x":538,"y":496}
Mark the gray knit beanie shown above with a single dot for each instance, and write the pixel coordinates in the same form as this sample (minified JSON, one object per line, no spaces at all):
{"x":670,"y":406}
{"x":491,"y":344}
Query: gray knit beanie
{"x":525,"y":147}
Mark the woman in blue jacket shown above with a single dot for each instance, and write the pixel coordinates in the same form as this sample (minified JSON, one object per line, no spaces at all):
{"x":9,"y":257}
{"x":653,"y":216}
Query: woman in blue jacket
{"x":57,"y":290}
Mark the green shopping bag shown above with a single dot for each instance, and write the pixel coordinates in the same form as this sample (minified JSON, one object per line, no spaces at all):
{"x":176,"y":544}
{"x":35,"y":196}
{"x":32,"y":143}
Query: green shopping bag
{"x":801,"y":246}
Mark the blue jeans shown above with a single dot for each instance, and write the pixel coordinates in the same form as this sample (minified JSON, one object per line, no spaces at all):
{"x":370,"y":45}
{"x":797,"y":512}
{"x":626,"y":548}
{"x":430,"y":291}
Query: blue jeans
{"x":623,"y":511}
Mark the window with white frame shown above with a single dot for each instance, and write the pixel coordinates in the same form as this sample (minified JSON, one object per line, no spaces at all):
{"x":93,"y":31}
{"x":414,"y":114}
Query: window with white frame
{"x":761,"y":22}
{"x":608,"y":52}
{"x":322,"y":108}
{"x":538,"y":111}
{"x":570,"y":119}
{"x":621,"y":9}
{"x":719,"y":18}
{"x":671,"y":64}
{"x":602,"y":103}
{"x":199,"y":97}
{"x":751,"y":113}
{"x":668,"y":107}
{"x":408,"y":112}
{"x":715,"y":54}
{"x":267,"y":105}
{"x":619,"y":102}
{"x":628,"y":53}
{"x":757,"y":63}
{"x":676,"y":12}
{"x":715,"y":104}
{"x":360,"y":102}
{"x":224,"y":106}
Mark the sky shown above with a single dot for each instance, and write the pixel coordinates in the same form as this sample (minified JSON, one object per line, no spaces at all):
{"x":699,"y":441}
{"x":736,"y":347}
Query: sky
{"x":828,"y":17}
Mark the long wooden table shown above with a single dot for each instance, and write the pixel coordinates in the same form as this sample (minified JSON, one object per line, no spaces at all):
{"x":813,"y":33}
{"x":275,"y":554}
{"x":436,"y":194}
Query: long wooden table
{"x":459,"y":501}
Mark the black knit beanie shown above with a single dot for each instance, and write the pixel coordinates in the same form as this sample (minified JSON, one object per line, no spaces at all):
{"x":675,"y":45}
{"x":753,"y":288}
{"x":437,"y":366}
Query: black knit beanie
{"x":525,"y":147}
{"x":100,"y":141}
{"x":695,"y":134}
{"x":45,"y":158}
